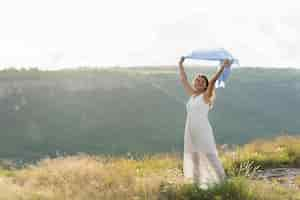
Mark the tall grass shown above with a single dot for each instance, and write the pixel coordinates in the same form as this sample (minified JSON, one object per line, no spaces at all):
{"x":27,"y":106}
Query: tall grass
{"x":282,"y":151}
{"x":149,"y":177}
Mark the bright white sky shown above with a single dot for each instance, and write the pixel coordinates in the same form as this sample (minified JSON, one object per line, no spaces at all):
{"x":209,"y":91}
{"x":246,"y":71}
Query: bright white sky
{"x":61,"y":33}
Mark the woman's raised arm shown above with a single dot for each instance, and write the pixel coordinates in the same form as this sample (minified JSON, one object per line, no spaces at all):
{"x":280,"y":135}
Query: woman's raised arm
{"x":183,"y":78}
{"x":212,"y":81}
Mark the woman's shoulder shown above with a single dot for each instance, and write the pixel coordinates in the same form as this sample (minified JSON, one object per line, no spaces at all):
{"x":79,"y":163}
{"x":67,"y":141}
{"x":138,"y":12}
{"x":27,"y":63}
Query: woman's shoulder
{"x":205,"y":97}
{"x":208,"y":100}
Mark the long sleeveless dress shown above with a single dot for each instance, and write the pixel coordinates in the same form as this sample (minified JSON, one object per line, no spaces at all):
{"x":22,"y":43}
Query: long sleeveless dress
{"x":201,"y":164}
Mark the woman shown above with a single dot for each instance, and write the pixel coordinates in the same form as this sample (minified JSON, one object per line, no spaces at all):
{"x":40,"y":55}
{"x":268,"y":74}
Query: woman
{"x":201,"y":163}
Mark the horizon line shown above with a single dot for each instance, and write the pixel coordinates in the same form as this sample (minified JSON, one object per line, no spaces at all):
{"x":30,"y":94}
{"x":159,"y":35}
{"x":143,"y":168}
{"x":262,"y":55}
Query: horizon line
{"x":131,"y":66}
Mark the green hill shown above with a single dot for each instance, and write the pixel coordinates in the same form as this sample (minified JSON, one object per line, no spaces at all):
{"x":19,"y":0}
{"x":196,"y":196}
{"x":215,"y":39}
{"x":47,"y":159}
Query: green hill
{"x":117,"y":110}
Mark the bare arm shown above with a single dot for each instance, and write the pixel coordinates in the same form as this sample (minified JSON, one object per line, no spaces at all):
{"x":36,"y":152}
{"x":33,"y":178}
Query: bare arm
{"x":211,"y":86}
{"x":184,"y":80}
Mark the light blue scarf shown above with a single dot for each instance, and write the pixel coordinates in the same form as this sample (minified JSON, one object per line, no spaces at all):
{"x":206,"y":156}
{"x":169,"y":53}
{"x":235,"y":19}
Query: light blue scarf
{"x":219,"y":54}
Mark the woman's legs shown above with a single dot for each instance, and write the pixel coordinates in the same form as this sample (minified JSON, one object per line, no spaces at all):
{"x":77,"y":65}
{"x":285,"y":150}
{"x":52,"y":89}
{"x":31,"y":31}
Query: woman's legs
{"x":196,"y":166}
{"x":217,"y":165}
{"x":203,"y":168}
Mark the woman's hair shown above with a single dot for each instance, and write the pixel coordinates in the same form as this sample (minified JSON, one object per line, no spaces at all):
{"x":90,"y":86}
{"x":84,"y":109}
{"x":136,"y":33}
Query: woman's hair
{"x":207,"y":83}
{"x":203,"y":76}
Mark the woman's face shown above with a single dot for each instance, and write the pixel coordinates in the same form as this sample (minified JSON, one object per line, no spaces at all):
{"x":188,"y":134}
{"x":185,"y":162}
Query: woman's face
{"x":199,"y":83}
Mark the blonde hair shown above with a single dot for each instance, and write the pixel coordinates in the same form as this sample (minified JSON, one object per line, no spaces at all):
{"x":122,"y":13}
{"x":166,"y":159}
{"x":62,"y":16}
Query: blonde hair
{"x":213,"y":97}
{"x":203,"y":76}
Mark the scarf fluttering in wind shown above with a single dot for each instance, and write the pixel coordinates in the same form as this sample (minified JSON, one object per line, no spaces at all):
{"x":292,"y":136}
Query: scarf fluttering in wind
{"x":219,"y":54}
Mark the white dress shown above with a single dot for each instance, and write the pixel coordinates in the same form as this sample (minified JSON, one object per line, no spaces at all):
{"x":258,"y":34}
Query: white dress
{"x":201,"y":163}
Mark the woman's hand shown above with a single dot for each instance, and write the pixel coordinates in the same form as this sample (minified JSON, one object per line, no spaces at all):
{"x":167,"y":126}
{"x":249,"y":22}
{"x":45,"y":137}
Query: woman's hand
{"x":226,"y":63}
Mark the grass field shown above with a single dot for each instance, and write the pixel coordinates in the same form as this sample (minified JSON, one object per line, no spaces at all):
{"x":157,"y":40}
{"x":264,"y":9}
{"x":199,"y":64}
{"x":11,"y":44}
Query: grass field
{"x":157,"y":176}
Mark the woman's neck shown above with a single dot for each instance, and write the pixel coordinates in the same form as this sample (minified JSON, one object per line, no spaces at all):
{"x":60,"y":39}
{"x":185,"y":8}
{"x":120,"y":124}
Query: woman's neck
{"x":198,"y":93}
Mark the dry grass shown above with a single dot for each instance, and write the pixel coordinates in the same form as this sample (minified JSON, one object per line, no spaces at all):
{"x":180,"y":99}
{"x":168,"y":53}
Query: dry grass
{"x":149,"y":177}
{"x":282,"y":151}
{"x":94,"y":177}
{"x":297,"y":181}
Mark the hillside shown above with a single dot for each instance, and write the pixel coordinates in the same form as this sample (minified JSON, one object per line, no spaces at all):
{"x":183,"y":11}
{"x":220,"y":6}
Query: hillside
{"x":115,"y":111}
